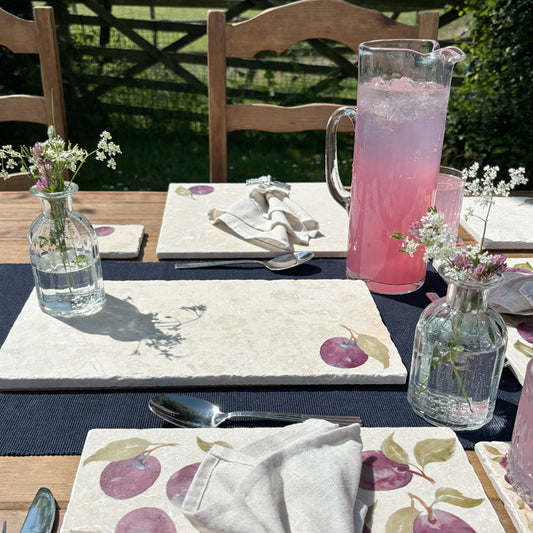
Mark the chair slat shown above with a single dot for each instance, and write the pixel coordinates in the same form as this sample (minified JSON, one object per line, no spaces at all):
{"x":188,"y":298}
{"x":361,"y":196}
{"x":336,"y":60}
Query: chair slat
{"x":277,"y":29}
{"x":34,"y":37}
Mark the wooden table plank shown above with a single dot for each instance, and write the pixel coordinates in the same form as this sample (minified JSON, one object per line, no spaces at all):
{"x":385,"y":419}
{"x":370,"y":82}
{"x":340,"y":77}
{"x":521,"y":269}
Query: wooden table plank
{"x":19,"y":209}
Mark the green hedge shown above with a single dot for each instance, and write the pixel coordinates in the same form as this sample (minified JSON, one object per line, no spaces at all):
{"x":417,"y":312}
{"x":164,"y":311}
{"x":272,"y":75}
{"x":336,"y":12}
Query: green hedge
{"x":490,"y":115}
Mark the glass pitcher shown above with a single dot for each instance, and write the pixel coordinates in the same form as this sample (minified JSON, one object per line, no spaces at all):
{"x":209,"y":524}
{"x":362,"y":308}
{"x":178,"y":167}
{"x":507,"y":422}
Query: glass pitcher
{"x":402,"y":100}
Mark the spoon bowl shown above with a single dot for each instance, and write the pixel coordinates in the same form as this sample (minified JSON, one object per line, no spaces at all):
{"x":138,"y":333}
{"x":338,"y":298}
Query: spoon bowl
{"x":282,"y":262}
{"x":189,"y":411}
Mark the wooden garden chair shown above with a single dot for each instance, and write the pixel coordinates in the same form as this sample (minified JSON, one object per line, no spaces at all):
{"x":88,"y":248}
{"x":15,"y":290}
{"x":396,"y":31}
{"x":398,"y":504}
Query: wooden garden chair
{"x":33,"y":37}
{"x":277,"y":29}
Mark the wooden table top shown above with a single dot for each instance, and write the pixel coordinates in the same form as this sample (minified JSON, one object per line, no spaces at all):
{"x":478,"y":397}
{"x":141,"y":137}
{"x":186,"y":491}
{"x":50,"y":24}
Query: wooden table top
{"x":21,"y":477}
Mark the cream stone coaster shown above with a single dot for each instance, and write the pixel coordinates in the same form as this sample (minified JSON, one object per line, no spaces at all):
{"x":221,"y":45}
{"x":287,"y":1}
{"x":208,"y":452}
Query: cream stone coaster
{"x":510,"y":225}
{"x":493,"y":457}
{"x":193,"y":332}
{"x":116,"y":241}
{"x":404,"y":471}
{"x":187,"y":233}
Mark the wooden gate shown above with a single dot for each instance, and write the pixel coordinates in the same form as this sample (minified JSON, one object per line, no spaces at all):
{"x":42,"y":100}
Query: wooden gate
{"x":146,"y":54}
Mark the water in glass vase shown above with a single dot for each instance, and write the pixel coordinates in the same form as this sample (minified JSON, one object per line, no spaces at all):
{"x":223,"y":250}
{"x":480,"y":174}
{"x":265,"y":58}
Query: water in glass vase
{"x":69,"y":290}
{"x":455,"y":391}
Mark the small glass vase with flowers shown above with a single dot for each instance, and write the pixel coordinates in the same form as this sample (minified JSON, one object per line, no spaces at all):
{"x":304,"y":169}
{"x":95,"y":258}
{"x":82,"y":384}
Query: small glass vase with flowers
{"x":62,"y":243}
{"x":460,"y":340}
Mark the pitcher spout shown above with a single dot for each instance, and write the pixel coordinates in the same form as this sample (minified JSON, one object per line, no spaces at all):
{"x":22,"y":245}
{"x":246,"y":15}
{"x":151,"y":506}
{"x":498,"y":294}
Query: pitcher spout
{"x":450,"y":55}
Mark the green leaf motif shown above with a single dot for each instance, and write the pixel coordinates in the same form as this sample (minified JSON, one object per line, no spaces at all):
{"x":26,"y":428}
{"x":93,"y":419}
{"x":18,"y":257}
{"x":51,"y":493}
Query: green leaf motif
{"x":402,"y":520}
{"x":524,"y":348}
{"x":374,"y":348}
{"x":205,"y":446}
{"x":455,"y":497}
{"x":492,"y":450}
{"x":394,"y":451}
{"x":119,"y":449}
{"x":434,"y":451}
{"x":525,"y":266}
{"x":183,"y":191}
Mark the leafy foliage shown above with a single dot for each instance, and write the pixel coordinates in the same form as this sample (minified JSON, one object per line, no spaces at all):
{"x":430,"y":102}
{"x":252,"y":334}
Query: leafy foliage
{"x":490,"y":115}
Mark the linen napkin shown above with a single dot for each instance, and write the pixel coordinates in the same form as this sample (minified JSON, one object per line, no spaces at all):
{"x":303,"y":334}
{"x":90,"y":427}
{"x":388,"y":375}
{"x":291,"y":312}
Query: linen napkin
{"x":267,"y":216}
{"x":514,"y":295}
{"x":303,"y":478}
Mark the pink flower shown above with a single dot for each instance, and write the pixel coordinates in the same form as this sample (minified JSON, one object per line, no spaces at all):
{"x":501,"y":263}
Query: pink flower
{"x":482,"y":272}
{"x":43,"y":183}
{"x":414,"y":229}
{"x":496,"y":265}
{"x":499,"y":263}
{"x":461,"y":262}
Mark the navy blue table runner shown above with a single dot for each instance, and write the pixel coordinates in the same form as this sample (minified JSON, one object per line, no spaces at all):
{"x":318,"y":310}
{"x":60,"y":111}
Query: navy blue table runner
{"x":57,"y":422}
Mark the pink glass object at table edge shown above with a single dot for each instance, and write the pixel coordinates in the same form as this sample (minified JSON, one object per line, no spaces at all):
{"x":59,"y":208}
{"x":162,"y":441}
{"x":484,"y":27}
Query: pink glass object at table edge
{"x":449,"y":196}
{"x":520,"y":457}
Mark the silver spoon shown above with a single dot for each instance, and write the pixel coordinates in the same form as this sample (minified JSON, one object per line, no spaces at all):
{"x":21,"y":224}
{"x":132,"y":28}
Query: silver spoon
{"x":189,"y":411}
{"x":281,"y":262}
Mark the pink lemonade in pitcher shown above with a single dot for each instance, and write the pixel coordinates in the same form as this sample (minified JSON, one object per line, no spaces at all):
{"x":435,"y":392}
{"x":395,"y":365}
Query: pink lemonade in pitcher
{"x":398,"y":146}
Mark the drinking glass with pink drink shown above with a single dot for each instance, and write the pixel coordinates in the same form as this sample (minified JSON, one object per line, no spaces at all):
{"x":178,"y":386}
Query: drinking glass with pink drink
{"x":449,"y":196}
{"x":402,"y":99}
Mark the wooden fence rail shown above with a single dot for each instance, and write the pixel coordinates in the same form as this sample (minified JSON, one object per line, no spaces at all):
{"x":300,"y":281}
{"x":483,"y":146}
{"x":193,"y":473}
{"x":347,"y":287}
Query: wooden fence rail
{"x":142,"y":53}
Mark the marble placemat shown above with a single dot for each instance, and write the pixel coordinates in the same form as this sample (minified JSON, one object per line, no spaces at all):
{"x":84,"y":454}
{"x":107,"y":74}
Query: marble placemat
{"x":187,"y":233}
{"x":493,"y":457}
{"x":510,"y":225}
{"x":214,"y":332}
{"x":119,"y":241}
{"x":427,"y":463}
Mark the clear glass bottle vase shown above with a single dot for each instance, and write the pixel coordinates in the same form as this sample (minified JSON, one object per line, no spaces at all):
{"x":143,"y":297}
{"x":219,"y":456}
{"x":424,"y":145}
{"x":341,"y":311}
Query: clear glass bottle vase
{"x":458,"y":356}
{"x":64,"y":257}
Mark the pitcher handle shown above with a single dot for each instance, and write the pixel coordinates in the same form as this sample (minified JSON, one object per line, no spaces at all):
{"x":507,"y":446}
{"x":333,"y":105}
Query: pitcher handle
{"x":337,"y":190}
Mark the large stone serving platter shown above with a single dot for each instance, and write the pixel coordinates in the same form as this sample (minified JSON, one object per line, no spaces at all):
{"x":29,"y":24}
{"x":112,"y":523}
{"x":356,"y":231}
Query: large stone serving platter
{"x":187,"y":233}
{"x":510,"y":225}
{"x":435,"y":452}
{"x":196,"y":333}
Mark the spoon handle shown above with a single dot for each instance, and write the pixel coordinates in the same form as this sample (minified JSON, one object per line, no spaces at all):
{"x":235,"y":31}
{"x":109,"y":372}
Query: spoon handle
{"x":289,"y":417}
{"x":203,"y":264}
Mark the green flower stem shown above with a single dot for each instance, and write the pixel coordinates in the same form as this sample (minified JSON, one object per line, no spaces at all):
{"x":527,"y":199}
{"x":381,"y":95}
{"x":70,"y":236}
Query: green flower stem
{"x":471,"y":298}
{"x":482,"y":241}
{"x":59,"y":213}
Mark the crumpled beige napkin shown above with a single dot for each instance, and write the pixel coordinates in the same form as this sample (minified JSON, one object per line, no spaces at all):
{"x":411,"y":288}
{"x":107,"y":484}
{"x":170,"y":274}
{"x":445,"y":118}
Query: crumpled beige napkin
{"x":514,"y":295}
{"x":269,"y":217}
{"x":303,"y":478}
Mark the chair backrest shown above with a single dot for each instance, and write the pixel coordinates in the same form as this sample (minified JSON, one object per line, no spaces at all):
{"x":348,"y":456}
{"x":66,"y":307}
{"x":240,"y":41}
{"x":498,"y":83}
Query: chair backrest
{"x":34,"y":37}
{"x":278,"y":29}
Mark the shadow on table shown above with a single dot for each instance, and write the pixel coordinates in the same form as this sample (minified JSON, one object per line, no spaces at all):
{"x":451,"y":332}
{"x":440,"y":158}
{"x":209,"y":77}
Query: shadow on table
{"x":122,"y":321}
